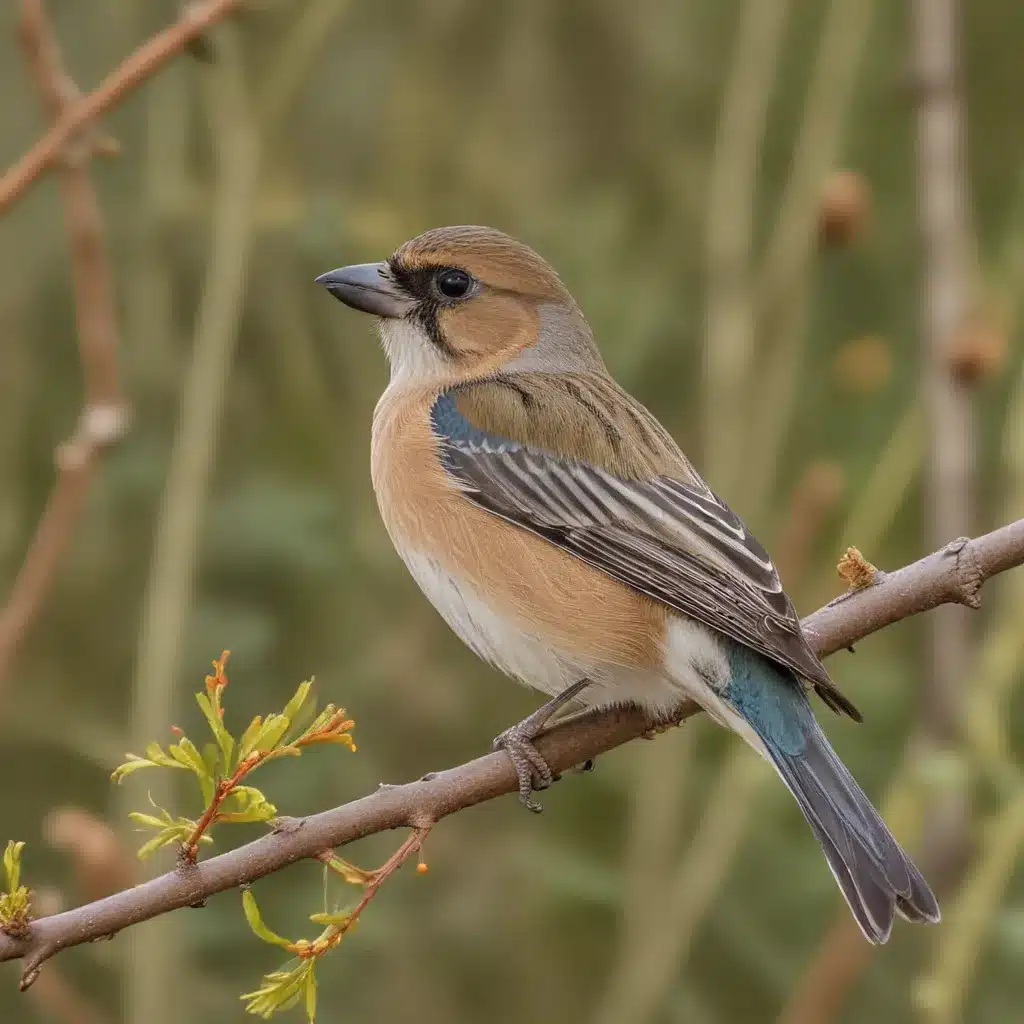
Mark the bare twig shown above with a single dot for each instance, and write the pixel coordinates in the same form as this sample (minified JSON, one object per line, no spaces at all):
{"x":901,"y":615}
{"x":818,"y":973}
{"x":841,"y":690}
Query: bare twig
{"x":104,"y":416}
{"x":936,"y":579}
{"x":946,"y":250}
{"x":144,"y":62}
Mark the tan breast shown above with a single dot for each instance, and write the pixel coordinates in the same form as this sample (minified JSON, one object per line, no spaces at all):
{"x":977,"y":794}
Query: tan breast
{"x":542,"y":589}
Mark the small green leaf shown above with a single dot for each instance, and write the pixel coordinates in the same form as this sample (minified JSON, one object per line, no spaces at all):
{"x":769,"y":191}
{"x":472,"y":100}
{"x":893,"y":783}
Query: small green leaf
{"x":318,"y":723}
{"x":12,"y":864}
{"x":281,"y":990}
{"x":311,"y":996}
{"x":148,"y":820}
{"x":211,"y":757}
{"x":295,"y":705}
{"x":225,"y":741}
{"x":245,"y":744}
{"x":338,"y":920}
{"x":156,"y":754}
{"x":134,"y":763}
{"x":16,"y":902}
{"x":188,"y":754}
{"x":169,"y":829}
{"x":252,"y":915}
{"x":158,"y":842}
{"x":273,"y":730}
{"x":249,"y":805}
{"x":350,"y":872}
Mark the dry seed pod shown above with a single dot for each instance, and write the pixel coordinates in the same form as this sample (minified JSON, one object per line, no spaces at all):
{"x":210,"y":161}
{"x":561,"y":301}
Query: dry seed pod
{"x":845,"y":207}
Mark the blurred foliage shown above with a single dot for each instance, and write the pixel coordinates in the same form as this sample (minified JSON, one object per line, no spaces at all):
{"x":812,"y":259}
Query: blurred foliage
{"x":587,"y":128}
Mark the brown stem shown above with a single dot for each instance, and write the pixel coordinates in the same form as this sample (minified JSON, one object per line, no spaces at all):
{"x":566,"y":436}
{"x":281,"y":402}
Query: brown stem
{"x":138,"y":66}
{"x":190,"y":848}
{"x":386,"y":870}
{"x":952,"y":574}
{"x":104,"y":416}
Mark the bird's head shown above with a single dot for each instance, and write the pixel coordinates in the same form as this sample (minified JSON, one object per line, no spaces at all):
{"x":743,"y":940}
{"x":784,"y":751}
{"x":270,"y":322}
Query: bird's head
{"x":457,"y":303}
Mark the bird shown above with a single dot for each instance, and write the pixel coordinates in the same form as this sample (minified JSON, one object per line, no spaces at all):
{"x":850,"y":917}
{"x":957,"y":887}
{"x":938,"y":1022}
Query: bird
{"x":562,"y":534}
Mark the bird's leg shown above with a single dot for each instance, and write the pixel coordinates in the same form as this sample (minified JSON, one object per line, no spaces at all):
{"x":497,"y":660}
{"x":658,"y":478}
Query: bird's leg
{"x":531,"y":768}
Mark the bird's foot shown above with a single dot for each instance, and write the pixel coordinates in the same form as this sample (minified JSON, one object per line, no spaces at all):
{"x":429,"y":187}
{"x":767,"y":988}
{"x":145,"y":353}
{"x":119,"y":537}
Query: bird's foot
{"x":532,"y":770}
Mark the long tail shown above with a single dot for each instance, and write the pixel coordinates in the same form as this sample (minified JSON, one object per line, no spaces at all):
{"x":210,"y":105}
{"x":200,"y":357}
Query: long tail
{"x":875,"y":874}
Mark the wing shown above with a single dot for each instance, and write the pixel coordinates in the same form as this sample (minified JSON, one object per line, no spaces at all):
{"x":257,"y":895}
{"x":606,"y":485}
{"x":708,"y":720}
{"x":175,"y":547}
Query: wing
{"x":666,"y":536}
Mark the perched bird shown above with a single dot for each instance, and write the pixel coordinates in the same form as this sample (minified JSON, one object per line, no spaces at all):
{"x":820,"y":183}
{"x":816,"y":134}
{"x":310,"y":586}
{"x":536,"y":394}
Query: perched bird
{"x":562,"y":534}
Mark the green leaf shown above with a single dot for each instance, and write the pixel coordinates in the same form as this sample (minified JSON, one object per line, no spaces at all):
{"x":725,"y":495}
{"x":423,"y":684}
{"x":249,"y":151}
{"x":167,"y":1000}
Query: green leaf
{"x":273,"y":730}
{"x":225,"y":741}
{"x":151,"y":821}
{"x":311,"y":996}
{"x":349,"y":872}
{"x":260,"y":930}
{"x":169,"y":830}
{"x":160,"y":840}
{"x":318,"y":723}
{"x":156,"y":754}
{"x":134,"y":763}
{"x":295,"y":705}
{"x":186,"y":753}
{"x":250,"y":805}
{"x":211,"y":757}
{"x":281,"y":990}
{"x":12,"y":864}
{"x":245,"y":744}
{"x":339,"y":919}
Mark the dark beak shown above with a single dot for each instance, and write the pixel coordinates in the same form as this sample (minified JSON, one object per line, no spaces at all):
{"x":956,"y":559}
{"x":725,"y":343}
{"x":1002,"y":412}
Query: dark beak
{"x":368,"y":287}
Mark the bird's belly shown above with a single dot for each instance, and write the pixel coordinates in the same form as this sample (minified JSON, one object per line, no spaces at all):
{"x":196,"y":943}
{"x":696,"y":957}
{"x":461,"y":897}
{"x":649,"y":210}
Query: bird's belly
{"x":492,"y":635}
{"x":532,"y":659}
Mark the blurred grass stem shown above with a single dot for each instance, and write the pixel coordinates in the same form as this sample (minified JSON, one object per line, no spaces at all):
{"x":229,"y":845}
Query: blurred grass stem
{"x":153,"y":968}
{"x":635,"y":986}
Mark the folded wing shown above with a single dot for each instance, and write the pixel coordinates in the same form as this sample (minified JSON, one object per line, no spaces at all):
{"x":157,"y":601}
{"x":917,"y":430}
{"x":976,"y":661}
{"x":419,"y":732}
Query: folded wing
{"x":674,"y":541}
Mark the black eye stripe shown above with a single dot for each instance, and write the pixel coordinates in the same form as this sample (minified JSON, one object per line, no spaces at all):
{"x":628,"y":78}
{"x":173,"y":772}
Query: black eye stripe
{"x":421,"y":283}
{"x":438,"y":283}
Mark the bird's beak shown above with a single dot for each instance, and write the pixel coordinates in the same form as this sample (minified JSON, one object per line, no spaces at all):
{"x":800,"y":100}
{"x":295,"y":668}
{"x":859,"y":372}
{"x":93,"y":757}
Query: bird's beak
{"x":368,"y":287}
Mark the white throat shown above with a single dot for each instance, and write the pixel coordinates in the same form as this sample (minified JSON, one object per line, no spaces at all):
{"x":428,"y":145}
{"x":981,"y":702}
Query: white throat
{"x":411,"y":353}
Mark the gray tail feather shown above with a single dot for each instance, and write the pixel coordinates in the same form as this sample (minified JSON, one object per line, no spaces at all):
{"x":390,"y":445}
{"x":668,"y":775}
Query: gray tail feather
{"x":876,"y":876}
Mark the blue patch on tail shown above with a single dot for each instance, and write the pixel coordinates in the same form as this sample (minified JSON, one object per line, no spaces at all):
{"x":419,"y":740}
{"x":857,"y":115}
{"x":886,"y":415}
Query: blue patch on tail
{"x":770,"y":699}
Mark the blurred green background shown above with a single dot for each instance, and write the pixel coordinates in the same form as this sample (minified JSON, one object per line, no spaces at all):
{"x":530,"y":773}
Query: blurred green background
{"x":677,"y":882}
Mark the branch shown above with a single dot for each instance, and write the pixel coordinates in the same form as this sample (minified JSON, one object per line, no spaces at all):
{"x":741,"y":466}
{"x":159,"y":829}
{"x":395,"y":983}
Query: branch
{"x":104,"y":416}
{"x":954,"y":574}
{"x":140,"y":65}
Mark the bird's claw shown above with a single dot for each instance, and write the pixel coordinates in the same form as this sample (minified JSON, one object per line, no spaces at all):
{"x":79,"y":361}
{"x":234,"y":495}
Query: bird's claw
{"x":532,"y":771}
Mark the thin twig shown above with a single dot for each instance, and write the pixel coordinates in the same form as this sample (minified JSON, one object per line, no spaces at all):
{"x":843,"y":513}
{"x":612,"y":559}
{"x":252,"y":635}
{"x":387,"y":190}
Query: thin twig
{"x":138,"y":66}
{"x":938,"y":578}
{"x":945,"y":295}
{"x":104,"y":416}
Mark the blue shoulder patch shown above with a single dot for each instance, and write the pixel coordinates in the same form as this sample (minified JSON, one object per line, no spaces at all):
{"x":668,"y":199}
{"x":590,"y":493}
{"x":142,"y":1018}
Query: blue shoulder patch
{"x":450,"y":424}
{"x":770,"y":699}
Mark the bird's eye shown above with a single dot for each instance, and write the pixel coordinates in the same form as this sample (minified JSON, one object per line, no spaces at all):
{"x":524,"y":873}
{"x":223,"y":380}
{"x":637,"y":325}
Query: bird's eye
{"x":453,"y":283}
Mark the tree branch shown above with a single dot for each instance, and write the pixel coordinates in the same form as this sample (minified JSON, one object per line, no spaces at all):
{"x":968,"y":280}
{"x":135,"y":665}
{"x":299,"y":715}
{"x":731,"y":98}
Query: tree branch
{"x":104,"y":416}
{"x":144,"y":62}
{"x":954,"y":574}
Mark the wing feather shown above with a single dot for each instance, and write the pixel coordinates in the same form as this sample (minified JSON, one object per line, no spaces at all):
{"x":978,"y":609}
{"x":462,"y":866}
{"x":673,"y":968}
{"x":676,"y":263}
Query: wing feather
{"x":678,"y":544}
